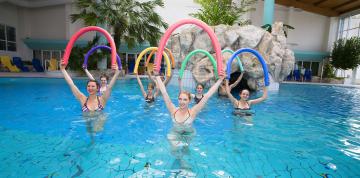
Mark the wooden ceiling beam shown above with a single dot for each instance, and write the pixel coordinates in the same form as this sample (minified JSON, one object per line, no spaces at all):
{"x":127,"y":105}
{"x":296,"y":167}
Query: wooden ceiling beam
{"x":319,"y":2}
{"x":351,"y":9}
{"x":308,"y":7}
{"x":344,"y":4}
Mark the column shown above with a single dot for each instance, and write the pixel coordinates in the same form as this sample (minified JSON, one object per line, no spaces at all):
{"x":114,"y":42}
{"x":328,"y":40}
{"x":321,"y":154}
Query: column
{"x":269,"y":6}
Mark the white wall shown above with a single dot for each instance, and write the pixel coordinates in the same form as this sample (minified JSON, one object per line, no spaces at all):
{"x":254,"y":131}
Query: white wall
{"x":175,"y":10}
{"x":47,"y":22}
{"x":72,"y":28}
{"x":311,"y":30}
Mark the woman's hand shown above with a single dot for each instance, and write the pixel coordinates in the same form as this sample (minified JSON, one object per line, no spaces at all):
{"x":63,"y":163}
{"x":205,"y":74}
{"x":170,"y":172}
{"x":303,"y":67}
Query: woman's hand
{"x":62,"y":65}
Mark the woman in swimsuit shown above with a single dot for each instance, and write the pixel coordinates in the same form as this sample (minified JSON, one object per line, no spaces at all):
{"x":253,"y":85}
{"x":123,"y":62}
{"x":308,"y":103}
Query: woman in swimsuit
{"x":92,"y":102}
{"x":183,"y":116}
{"x":199,"y":93}
{"x":242,"y":106}
{"x":222,"y":89}
{"x":150,"y":95}
{"x":103,"y":82}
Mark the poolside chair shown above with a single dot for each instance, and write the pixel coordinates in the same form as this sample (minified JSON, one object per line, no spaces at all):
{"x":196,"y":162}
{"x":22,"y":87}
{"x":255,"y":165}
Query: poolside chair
{"x":307,"y":75}
{"x":297,"y":75}
{"x":52,"y":64}
{"x":37,"y":65}
{"x":6,"y":62}
{"x":289,"y":77}
{"x":19,"y":63}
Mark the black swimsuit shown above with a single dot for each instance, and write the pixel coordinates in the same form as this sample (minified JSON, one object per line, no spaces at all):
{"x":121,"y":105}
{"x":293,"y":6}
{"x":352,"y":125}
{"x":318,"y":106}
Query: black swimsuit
{"x":197,"y":100}
{"x":149,"y":100}
{"x":243,"y":111}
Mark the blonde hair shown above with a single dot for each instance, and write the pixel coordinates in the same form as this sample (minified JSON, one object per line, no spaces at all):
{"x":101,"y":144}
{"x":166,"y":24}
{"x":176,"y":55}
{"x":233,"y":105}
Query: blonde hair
{"x":186,"y":93}
{"x":151,"y":85}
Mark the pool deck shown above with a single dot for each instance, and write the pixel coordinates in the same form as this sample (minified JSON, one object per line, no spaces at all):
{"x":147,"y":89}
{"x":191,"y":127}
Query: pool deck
{"x":327,"y":84}
{"x":58,"y":74}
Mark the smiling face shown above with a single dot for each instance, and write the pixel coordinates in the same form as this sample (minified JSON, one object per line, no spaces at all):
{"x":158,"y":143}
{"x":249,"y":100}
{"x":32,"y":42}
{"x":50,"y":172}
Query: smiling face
{"x":244,"y":94}
{"x":184,"y":100}
{"x":199,"y":89}
{"x":150,"y":88}
{"x":103,"y":81}
{"x":92,"y":87}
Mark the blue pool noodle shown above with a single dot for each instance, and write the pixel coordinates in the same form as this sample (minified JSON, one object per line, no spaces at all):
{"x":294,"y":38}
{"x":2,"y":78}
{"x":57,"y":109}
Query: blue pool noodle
{"x":258,"y":56}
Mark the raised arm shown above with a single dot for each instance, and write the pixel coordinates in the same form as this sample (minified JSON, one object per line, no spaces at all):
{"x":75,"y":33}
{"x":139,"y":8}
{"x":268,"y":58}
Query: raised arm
{"x":89,"y":74}
{"x":237,"y":81}
{"x":170,"y":106}
{"x":230,"y":96}
{"x":262,"y":98}
{"x":141,"y":86}
{"x":76,"y":92}
{"x":195,"y":110}
{"x":107,"y":93}
{"x":180,"y":85}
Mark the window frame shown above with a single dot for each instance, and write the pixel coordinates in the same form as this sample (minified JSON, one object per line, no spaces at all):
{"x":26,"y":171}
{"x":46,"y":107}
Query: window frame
{"x":6,"y":39}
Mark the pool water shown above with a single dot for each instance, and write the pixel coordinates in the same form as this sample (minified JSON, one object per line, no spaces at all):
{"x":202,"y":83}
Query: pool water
{"x":300,"y":131}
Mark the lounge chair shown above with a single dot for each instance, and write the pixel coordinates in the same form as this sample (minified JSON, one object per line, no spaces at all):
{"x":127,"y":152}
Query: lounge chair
{"x":37,"y":65}
{"x":19,"y":64}
{"x":6,"y":62}
{"x":52,"y":64}
{"x":289,"y":77}
{"x":297,"y":75}
{"x":307,"y":75}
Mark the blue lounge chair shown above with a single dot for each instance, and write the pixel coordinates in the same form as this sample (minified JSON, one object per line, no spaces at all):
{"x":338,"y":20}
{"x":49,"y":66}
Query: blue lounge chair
{"x":289,"y":77}
{"x":297,"y":75}
{"x":307,"y":75}
{"x":37,"y":65}
{"x":19,"y":64}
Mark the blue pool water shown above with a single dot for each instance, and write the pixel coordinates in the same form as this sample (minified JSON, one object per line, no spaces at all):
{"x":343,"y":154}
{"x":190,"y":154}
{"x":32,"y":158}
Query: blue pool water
{"x":300,"y":131}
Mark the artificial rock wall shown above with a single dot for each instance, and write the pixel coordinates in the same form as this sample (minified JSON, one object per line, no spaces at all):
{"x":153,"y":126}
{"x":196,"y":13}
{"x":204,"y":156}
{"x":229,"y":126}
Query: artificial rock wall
{"x":272,"y":46}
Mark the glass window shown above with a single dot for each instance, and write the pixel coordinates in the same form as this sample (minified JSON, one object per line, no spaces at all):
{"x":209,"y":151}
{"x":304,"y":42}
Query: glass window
{"x":306,"y":65}
{"x":354,"y":22}
{"x":2,"y":32}
{"x":37,"y":54}
{"x":11,"y":46}
{"x":353,"y":32}
{"x":315,"y":68}
{"x":46,"y":55}
{"x":55,"y":55}
{"x":2,"y":45}
{"x":349,"y":26}
{"x":346,"y":23}
{"x":10,"y":31}
{"x":7,"y":38}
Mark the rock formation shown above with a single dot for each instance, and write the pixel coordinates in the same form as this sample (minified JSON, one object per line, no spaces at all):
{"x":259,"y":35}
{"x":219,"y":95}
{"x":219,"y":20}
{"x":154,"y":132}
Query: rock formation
{"x":272,"y":47}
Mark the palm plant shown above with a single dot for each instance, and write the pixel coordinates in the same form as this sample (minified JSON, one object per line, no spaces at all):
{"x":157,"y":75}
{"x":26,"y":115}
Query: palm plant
{"x":133,"y":22}
{"x":215,"y":12}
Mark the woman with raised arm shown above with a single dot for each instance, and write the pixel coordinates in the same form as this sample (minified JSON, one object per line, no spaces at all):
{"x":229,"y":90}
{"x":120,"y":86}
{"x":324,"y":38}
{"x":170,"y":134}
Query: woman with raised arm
{"x":243,"y":106}
{"x":183,"y":116}
{"x":222,"y":89}
{"x":92,"y":102}
{"x":103,"y":81}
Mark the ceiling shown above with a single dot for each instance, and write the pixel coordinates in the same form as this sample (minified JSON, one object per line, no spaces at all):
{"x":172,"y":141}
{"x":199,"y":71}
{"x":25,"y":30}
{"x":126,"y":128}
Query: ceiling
{"x":329,"y":8}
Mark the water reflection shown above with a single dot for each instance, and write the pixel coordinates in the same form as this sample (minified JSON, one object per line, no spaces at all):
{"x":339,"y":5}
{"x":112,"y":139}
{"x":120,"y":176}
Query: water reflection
{"x":94,"y":123}
{"x":180,"y":138}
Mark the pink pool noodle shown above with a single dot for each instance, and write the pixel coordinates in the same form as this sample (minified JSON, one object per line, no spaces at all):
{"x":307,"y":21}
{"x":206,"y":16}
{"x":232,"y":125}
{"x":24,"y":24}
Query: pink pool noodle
{"x":199,"y":23}
{"x":73,"y":38}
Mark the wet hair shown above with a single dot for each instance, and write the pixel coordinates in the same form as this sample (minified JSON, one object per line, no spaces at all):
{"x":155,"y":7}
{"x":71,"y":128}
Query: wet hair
{"x":186,"y":93}
{"x":151,"y":85}
{"x":244,"y":90}
{"x":104,"y":76}
{"x":97,"y":83}
{"x":199,"y":84}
